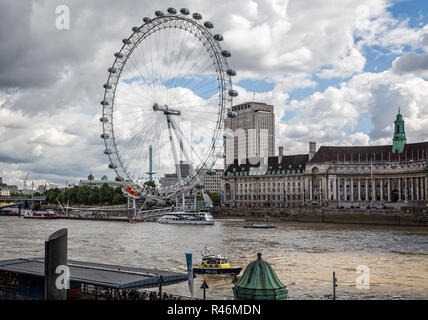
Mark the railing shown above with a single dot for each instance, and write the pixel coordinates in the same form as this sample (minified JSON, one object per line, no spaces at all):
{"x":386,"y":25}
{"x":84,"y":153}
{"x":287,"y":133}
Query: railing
{"x":13,"y":295}
{"x":107,"y":208}
{"x":21,"y":198}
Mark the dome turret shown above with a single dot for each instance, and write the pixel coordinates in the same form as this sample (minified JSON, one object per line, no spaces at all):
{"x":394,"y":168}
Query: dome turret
{"x":259,"y":282}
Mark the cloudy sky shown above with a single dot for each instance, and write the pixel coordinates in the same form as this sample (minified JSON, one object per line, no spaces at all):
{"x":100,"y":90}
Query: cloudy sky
{"x":335,"y":70}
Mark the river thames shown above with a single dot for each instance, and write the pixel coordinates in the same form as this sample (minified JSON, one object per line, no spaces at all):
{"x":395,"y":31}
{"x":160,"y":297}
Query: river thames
{"x":304,"y":255}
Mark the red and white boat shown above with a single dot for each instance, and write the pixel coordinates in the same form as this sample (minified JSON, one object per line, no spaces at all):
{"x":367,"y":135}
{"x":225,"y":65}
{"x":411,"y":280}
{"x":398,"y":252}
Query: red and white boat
{"x":48,"y":214}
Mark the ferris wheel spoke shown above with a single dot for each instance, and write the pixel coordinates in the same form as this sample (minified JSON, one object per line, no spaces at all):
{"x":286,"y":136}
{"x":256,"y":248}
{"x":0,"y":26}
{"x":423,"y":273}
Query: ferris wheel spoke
{"x":185,"y":71}
{"x":193,"y":62}
{"x":138,"y":149}
{"x":184,"y":39}
{"x":189,"y":145}
{"x":147,"y":88}
{"x":136,"y":137}
{"x":180,"y":73}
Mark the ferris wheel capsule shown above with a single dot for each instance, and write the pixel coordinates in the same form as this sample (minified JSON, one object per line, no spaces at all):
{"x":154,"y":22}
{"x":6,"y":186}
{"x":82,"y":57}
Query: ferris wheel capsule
{"x":233,"y":93}
{"x":208,"y":25}
{"x":107,"y":151}
{"x":218,"y":37}
{"x":232,"y":114}
{"x":171,"y":11}
{"x":126,"y":41}
{"x":136,"y":29}
{"x":146,"y":19}
{"x":118,"y":55}
{"x":185,"y":11}
{"x":105,"y":136}
{"x":112,"y":70}
{"x":112,"y":166}
{"x":197,"y":16}
{"x":107,"y":86}
{"x":226,"y":53}
{"x":104,"y":119}
{"x":104,"y":103}
{"x":119,"y":179}
{"x":231,"y":72}
{"x":159,"y":13}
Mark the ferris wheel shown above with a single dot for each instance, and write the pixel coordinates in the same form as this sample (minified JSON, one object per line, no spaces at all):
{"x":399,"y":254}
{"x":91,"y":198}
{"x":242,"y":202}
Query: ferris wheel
{"x":167,"y":95}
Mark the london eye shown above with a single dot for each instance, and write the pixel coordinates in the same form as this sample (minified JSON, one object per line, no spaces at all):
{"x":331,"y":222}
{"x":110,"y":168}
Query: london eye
{"x":166,"y":97}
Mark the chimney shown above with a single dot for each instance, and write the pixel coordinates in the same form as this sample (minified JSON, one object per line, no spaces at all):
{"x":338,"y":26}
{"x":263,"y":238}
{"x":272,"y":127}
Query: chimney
{"x":312,"y":149}
{"x":281,"y":151}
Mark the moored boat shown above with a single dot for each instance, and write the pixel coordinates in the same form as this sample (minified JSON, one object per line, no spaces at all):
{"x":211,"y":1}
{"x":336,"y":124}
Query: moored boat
{"x":260,"y":225}
{"x":8,"y":212}
{"x":215,"y":264}
{"x":49,"y":214}
{"x":181,"y":217}
{"x":136,"y":219}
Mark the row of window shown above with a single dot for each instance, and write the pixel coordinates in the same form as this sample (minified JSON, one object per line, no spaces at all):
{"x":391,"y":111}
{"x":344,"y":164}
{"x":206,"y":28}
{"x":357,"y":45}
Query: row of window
{"x":270,"y":197}
{"x":257,"y":172}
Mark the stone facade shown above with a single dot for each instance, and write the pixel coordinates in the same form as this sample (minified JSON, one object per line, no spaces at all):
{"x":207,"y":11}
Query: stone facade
{"x":252,"y":131}
{"x":360,"y":177}
{"x":212,"y":182}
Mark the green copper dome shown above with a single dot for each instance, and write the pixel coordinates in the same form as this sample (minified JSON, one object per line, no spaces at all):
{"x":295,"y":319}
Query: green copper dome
{"x":259,"y":282}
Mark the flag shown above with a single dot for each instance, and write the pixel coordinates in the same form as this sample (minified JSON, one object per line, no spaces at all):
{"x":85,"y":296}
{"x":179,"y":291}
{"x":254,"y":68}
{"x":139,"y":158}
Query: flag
{"x":190,"y":273}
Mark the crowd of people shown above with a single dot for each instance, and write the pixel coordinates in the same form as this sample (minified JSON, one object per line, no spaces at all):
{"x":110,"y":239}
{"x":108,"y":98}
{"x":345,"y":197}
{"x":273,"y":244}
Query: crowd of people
{"x":137,"y":295}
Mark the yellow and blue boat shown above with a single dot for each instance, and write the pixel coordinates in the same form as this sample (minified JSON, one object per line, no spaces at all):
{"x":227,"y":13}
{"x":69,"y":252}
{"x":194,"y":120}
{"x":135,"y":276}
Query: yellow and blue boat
{"x":215,"y":264}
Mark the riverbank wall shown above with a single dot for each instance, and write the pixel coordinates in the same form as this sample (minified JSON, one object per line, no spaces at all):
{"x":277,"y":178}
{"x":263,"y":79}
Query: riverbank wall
{"x":321,"y":215}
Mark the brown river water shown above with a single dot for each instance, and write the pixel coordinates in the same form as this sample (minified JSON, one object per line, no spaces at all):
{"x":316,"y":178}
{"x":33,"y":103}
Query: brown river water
{"x":304,"y":255}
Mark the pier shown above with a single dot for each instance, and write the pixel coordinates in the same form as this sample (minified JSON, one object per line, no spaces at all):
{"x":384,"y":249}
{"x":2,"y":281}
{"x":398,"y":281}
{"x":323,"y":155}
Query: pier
{"x":22,"y":279}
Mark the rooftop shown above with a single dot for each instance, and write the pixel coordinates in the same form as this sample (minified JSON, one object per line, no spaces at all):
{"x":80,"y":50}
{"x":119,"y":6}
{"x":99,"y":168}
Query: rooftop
{"x":285,"y":164}
{"x":100,"y":181}
{"x":105,"y":275}
{"x":412,"y":151}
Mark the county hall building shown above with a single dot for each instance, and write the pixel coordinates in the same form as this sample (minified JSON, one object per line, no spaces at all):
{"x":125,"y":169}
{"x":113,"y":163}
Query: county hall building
{"x":385,"y":176}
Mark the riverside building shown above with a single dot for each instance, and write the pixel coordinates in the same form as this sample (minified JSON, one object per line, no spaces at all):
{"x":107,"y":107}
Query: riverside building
{"x":387,"y":176}
{"x":253,"y":129}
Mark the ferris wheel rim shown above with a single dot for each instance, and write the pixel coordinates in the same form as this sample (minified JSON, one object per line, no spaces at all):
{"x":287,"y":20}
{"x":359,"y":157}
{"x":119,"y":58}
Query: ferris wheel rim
{"x":122,"y":57}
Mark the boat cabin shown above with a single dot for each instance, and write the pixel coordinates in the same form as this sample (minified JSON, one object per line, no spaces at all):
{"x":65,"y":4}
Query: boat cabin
{"x":214,"y":261}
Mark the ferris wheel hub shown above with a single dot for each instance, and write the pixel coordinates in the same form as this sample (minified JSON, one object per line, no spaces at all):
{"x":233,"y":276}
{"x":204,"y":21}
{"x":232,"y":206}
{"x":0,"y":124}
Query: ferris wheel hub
{"x":166,"y":110}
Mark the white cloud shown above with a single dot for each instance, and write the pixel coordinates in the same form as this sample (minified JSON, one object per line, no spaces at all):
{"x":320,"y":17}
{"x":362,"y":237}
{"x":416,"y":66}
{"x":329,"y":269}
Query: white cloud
{"x":326,"y":116}
{"x":412,"y":63}
{"x":49,"y":118}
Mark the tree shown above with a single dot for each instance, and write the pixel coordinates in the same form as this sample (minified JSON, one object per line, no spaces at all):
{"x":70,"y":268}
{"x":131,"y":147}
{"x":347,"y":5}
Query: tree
{"x":94,"y":197}
{"x":52,"y":195}
{"x":150,"y":183}
{"x":106,"y":194}
{"x":73,"y":194}
{"x":119,"y":198}
{"x":215,"y":197}
{"x":83,"y":194}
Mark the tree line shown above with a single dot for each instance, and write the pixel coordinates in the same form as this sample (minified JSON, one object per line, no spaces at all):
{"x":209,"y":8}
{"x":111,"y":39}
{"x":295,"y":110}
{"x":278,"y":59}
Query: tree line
{"x":105,"y":195}
{"x":86,"y":195}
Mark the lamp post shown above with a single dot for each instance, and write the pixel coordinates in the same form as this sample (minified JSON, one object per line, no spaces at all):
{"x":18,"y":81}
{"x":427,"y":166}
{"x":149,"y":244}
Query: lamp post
{"x":204,"y":286}
{"x":334,"y":285}
{"x":161,"y":280}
